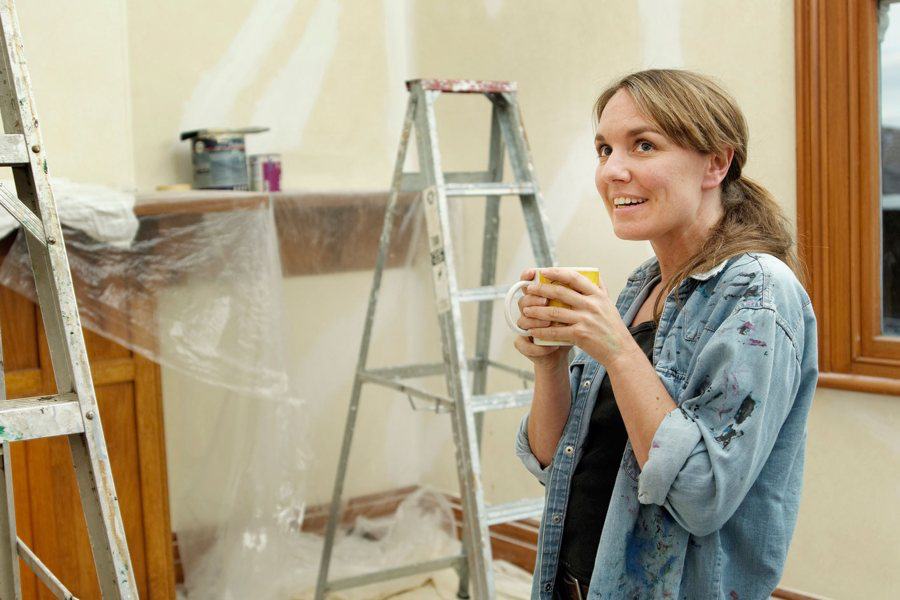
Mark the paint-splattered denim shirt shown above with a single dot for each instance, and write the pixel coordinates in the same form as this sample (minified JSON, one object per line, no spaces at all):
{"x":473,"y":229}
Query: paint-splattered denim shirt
{"x":712,"y":512}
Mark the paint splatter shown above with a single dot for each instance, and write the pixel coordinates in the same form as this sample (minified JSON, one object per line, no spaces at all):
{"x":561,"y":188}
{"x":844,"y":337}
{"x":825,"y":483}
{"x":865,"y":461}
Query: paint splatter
{"x":752,"y":291}
{"x":745,"y":328}
{"x":727,"y":435}
{"x":654,"y":445}
{"x":745,"y":410}
{"x":759,"y":343}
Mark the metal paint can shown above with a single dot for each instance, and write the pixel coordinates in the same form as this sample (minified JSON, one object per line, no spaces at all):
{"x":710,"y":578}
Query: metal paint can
{"x":219,"y":157}
{"x":265,"y":172}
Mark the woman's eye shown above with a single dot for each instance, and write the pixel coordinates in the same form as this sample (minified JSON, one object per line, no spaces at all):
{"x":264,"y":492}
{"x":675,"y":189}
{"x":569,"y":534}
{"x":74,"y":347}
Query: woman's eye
{"x":603,"y":150}
{"x":644,"y":146}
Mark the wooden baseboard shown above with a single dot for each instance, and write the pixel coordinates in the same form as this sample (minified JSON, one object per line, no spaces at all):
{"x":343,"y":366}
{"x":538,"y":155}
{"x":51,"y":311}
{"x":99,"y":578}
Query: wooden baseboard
{"x":514,"y":542}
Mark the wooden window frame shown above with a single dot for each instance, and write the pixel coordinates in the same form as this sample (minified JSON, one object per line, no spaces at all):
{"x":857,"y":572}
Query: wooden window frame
{"x":838,"y":191}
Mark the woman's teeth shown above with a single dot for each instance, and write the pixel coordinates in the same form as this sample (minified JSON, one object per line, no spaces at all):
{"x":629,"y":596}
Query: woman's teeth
{"x":628,"y":201}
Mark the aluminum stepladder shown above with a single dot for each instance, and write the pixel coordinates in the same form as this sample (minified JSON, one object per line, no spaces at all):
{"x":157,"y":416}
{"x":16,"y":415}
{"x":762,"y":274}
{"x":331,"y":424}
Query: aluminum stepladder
{"x":465,"y":404}
{"x":72,"y":411}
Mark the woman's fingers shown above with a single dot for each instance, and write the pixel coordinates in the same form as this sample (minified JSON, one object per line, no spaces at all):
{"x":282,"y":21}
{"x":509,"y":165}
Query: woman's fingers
{"x":562,"y":333}
{"x":572,"y":279}
{"x":555,"y":291}
{"x":531,"y":350}
{"x":550,"y":314}
{"x":531,"y":300}
{"x":527,"y":301}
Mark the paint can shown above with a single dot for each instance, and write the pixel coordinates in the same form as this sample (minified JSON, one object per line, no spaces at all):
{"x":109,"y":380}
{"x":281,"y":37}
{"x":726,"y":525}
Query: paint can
{"x":265,"y":172}
{"x":219,"y":157}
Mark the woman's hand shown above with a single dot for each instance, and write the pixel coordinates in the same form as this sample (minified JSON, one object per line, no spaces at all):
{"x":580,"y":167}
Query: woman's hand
{"x":539,"y":355}
{"x":592,"y":323}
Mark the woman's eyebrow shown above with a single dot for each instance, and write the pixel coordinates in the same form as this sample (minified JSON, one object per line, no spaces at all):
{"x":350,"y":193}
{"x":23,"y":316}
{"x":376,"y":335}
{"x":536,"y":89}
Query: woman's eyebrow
{"x":631,"y":133}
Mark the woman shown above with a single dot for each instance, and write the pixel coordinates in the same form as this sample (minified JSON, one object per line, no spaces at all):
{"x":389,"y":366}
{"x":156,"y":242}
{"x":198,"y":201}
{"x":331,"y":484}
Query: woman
{"x":672,"y":446}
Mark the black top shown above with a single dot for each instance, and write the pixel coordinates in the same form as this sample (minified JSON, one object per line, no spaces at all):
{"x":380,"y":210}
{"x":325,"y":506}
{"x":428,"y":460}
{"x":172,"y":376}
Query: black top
{"x":595,"y":474}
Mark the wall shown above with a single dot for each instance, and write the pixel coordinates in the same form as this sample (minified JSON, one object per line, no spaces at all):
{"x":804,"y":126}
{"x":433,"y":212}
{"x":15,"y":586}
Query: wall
{"x":327,"y":77}
{"x":82,"y":88}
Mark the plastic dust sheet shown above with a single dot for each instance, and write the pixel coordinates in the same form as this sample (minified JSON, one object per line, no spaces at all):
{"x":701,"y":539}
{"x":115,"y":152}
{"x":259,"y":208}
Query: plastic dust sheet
{"x":256,"y":310}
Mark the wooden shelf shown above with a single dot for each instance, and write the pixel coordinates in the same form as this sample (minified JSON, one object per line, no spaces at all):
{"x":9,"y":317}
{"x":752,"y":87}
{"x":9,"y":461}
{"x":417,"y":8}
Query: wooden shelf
{"x":319,"y":232}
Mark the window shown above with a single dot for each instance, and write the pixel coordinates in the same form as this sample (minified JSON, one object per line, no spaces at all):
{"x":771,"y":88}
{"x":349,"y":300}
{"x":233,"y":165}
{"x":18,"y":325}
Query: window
{"x":848,"y":185}
{"x":889,"y":75}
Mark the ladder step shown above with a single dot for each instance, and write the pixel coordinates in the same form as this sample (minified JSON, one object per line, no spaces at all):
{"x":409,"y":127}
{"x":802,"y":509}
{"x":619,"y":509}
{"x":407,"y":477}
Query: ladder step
{"x":40,"y":417}
{"x":483,"y":294}
{"x":43,"y":573}
{"x":13,"y":150}
{"x":463,"y":86}
{"x":529,"y":508}
{"x":489,"y":189}
{"x":408,"y":389}
{"x":502,"y":400}
{"x":397,"y":572}
{"x":22,"y":214}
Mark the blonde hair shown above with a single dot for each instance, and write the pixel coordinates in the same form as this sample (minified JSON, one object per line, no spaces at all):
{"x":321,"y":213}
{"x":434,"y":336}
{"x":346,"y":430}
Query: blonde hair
{"x":695,"y":113}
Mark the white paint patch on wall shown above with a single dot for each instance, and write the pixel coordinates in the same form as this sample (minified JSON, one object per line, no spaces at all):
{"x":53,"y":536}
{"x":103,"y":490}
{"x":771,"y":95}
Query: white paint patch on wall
{"x":215,"y":94}
{"x":661,"y":33}
{"x":400,"y":66}
{"x":493,"y":7}
{"x":288,"y":101}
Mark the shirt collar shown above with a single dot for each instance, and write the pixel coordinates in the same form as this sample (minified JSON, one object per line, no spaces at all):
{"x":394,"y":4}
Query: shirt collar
{"x":650,"y":269}
{"x":711,"y":273}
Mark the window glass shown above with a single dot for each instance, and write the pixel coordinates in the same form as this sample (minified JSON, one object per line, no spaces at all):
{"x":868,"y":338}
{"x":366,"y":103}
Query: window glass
{"x":889,"y":37}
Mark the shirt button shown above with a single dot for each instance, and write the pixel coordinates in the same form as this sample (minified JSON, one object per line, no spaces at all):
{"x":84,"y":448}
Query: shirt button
{"x":569,"y":450}
{"x":586,"y":384}
{"x":548,"y":587}
{"x":556,"y":518}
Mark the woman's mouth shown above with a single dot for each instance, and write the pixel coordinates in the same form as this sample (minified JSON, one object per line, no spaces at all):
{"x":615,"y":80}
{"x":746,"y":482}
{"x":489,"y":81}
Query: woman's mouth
{"x":623,"y":203}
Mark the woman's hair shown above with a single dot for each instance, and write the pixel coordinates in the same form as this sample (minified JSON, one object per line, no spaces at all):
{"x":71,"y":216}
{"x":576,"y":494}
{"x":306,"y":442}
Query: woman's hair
{"x":695,"y":113}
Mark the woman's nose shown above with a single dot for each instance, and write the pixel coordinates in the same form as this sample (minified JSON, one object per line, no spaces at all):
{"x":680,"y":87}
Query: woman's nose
{"x":615,"y":169}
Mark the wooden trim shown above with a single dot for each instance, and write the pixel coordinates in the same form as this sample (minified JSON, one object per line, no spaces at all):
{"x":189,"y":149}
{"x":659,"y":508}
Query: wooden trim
{"x":787,"y":594}
{"x":380,"y":504}
{"x":110,"y":371}
{"x":153,"y":477}
{"x":838,"y":190}
{"x":197,"y":202}
{"x":23,"y":383}
{"x":860,"y":383}
{"x":29,"y":382}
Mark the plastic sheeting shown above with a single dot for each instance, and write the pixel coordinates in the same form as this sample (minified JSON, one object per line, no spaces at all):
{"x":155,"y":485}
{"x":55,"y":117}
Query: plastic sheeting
{"x":104,"y":213}
{"x":202,"y":293}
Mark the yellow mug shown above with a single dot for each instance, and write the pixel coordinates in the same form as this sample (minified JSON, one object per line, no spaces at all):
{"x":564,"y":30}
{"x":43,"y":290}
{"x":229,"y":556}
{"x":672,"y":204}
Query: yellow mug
{"x":591,"y":273}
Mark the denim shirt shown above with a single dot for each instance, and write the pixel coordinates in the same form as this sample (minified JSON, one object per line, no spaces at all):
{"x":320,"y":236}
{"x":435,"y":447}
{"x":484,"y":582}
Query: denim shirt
{"x":712,"y":512}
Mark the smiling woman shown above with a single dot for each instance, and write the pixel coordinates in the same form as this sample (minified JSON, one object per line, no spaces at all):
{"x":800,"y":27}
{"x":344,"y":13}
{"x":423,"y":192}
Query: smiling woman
{"x":680,"y":424}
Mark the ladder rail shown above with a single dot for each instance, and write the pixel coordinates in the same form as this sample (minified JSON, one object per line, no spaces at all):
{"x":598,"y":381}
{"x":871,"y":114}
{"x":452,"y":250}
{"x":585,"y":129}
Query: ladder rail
{"x":352,"y":412}
{"x":477,"y":539}
{"x":536,"y":220}
{"x":56,"y":298}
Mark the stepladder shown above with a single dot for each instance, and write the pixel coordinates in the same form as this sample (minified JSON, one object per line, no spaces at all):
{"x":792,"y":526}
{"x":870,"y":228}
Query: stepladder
{"x":465,"y":373}
{"x":72,"y":411}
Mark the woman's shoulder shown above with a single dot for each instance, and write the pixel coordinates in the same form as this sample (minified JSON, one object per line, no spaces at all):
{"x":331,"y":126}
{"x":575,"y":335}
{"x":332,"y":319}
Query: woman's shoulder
{"x":759,"y":280}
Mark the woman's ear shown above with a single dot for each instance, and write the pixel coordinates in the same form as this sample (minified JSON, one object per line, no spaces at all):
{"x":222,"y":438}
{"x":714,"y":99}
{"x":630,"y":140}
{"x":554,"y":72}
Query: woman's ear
{"x":717,"y":168}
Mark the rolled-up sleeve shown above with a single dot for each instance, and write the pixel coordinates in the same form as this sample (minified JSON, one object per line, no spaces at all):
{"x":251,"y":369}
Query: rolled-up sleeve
{"x":523,"y":447}
{"x":708,"y":452}
{"x":523,"y":451}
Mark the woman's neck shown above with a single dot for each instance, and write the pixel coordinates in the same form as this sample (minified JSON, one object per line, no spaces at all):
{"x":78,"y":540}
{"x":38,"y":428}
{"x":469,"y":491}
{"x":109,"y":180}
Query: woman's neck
{"x":676,"y":249}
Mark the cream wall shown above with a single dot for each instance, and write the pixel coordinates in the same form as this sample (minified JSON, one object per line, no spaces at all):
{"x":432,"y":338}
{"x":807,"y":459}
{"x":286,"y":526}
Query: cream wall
{"x":78,"y":57}
{"x":117,"y":81}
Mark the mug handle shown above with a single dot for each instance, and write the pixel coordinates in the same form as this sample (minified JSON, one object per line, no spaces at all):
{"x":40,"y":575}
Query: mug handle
{"x":510,"y":296}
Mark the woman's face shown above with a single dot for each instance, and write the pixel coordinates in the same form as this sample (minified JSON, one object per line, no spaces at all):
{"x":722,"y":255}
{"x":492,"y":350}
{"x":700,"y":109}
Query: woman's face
{"x":653,"y":189}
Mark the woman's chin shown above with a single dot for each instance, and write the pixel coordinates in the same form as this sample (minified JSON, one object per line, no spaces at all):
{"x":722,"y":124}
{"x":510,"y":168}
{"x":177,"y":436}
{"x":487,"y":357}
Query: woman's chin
{"x":631,"y":234}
